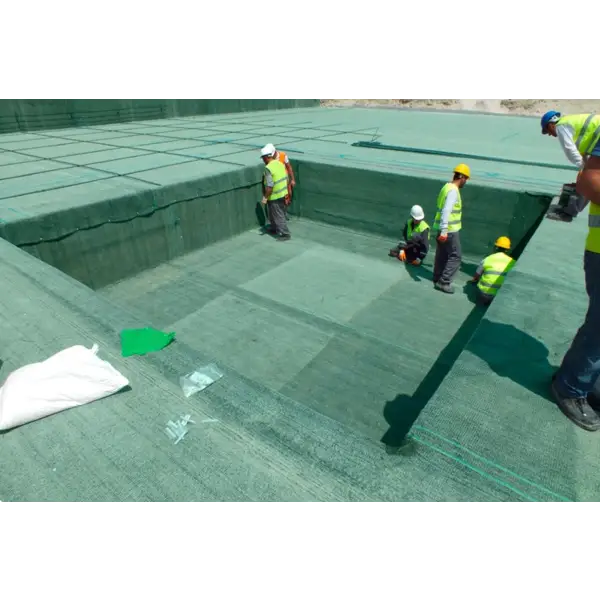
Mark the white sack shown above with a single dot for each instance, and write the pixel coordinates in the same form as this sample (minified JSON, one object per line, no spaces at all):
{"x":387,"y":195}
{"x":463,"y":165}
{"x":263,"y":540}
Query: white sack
{"x":70,"y":378}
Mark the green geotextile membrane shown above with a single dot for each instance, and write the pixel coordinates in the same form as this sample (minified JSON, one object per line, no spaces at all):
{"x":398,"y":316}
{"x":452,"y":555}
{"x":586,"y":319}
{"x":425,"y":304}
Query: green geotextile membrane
{"x":143,"y":341}
{"x":29,"y":115}
{"x":494,"y":409}
{"x":345,"y":373}
{"x":464,"y":156}
{"x":293,"y":421}
{"x":379,"y":203}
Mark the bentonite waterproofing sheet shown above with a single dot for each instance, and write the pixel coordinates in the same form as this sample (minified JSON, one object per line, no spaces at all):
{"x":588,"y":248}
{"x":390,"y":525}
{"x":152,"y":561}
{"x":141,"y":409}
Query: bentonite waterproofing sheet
{"x":493,"y":410}
{"x":31,"y":115}
{"x":58,"y":184}
{"x":318,"y":371}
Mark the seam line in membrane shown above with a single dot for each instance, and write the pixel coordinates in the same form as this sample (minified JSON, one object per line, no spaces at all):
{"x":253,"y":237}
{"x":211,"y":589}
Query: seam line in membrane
{"x":496,"y":465}
{"x":475,"y":469}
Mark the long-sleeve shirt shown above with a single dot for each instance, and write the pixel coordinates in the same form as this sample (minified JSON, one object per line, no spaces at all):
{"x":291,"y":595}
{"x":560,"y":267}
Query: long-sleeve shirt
{"x":565,"y":135}
{"x":451,"y":199}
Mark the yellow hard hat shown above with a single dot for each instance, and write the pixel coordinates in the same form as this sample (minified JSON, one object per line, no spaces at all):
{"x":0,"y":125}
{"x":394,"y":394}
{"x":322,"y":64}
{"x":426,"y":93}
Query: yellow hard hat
{"x":503,"y":242}
{"x":463,"y":169}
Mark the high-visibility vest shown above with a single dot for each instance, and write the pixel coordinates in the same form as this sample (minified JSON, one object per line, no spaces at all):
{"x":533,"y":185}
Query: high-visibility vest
{"x":495,"y":268}
{"x":455,"y":219}
{"x":586,"y":130}
{"x":420,"y":228}
{"x":593,"y":239}
{"x":280,"y":178}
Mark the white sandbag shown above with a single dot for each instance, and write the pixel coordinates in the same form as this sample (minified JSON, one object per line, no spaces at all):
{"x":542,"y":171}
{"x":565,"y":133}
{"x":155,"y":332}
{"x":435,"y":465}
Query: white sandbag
{"x":70,"y":378}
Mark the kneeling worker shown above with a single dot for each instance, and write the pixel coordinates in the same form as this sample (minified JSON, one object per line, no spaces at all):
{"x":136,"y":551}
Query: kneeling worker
{"x":275,"y":182}
{"x":493,"y":270}
{"x":415,"y":246}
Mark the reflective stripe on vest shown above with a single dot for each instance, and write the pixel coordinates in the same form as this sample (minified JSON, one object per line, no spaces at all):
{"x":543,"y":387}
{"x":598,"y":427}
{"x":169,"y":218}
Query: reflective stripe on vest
{"x":586,"y":130}
{"x":420,"y":228}
{"x":593,"y":239}
{"x":455,"y":219}
{"x":495,"y":268}
{"x":280,"y":178}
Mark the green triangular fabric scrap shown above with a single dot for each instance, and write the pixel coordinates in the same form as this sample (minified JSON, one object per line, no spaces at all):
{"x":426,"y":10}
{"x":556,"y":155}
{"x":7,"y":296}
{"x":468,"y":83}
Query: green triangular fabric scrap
{"x":143,"y":341}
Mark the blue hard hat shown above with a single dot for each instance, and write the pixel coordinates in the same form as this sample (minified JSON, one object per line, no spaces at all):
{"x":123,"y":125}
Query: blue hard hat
{"x":550,"y":117}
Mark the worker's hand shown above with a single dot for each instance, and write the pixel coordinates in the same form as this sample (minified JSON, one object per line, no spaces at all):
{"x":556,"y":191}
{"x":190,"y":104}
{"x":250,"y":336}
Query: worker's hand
{"x":263,"y":201}
{"x":293,"y":182}
{"x":443,"y":237}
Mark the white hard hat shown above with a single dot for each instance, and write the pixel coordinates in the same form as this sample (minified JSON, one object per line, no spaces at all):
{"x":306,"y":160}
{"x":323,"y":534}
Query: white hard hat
{"x":416,"y":212}
{"x":268,"y":150}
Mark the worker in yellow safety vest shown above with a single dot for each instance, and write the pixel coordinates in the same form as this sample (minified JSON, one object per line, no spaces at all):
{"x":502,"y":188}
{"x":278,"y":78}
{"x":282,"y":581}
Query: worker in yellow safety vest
{"x":414,"y":247}
{"x":283,"y":158}
{"x":275,"y":185}
{"x":492,"y":271}
{"x":578,"y":135}
{"x":573,"y":385}
{"x":447,"y":225}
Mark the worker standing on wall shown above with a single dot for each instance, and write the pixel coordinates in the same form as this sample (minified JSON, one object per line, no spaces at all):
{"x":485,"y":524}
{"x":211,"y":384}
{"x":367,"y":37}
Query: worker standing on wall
{"x":447,"y":225}
{"x":283,"y":158}
{"x":275,"y":185}
{"x":493,"y":270}
{"x":574,"y":382}
{"x":578,"y":135}
{"x":414,"y":247}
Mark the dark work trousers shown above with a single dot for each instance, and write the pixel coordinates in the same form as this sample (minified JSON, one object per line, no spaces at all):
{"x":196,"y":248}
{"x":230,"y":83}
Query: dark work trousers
{"x":411,"y":250}
{"x":277,"y":216}
{"x":580,"y":369}
{"x":448,"y":255}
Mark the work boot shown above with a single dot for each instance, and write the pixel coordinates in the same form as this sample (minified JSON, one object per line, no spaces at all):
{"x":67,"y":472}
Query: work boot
{"x":444,"y":287}
{"x":577,"y":410}
{"x":284,"y":238}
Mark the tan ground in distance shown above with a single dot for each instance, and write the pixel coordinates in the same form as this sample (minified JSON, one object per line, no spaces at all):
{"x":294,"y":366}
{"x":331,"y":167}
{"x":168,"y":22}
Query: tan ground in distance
{"x":515,"y":107}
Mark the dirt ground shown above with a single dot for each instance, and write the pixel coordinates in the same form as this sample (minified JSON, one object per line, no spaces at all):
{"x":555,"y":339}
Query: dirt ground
{"x":516,"y":107}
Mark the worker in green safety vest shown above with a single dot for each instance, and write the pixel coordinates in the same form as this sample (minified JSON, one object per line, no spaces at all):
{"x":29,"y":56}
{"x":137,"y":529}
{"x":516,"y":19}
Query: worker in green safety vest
{"x":275,"y":185}
{"x":575,"y":385}
{"x":447,"y":225}
{"x":578,"y":135}
{"x":414,"y":247}
{"x":492,"y":271}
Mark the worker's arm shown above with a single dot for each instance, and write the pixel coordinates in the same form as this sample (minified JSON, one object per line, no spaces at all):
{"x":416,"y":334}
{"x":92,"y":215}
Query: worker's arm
{"x":451,"y":199}
{"x":290,"y":171}
{"x":565,"y":137}
{"x":268,"y":179}
{"x":478,"y":273}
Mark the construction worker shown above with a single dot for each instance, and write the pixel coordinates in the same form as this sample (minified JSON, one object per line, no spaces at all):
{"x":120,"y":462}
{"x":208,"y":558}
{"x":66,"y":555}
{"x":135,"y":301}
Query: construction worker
{"x":574,"y":382}
{"x":578,"y":136}
{"x":493,"y":270}
{"x":275,"y":185}
{"x":282,"y":157}
{"x":415,"y":245}
{"x":447,"y":225}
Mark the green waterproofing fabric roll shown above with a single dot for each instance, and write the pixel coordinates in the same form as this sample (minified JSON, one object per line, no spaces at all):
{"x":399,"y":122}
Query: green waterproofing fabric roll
{"x":510,"y":161}
{"x":144,"y":341}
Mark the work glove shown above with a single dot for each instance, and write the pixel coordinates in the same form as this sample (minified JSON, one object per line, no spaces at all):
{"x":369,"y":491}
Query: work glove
{"x":443,"y":237}
{"x":402,"y":255}
{"x":416,"y":262}
{"x":263,"y":201}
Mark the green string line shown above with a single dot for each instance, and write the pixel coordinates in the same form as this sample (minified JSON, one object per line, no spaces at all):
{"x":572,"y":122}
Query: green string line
{"x":472,"y":468}
{"x":493,"y":464}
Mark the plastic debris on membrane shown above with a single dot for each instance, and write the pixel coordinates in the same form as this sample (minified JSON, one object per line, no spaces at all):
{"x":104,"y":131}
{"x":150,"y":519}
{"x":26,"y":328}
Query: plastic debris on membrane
{"x":177,"y":430}
{"x":200,"y":379}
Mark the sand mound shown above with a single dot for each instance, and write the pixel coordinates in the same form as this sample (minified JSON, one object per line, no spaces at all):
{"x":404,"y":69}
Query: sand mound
{"x":492,"y":104}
